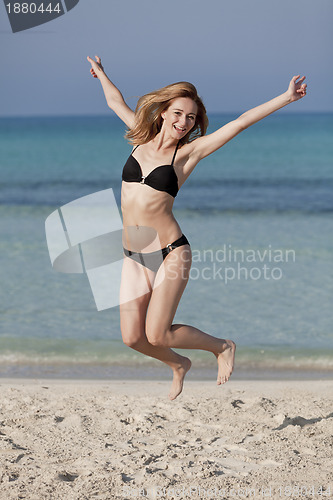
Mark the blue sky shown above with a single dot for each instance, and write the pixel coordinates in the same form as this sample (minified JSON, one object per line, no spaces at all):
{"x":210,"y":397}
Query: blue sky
{"x":238,"y":53}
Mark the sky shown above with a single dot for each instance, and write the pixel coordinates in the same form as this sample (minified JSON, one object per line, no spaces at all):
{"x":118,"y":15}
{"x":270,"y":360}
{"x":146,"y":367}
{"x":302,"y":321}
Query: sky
{"x":238,"y":53}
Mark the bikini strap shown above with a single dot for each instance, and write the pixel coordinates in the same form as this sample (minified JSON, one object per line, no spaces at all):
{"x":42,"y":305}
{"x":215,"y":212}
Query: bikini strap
{"x":174,"y":155}
{"x":135,"y":148}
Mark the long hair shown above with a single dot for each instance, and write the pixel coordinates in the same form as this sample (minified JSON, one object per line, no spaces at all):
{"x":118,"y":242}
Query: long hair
{"x":148,"y":120}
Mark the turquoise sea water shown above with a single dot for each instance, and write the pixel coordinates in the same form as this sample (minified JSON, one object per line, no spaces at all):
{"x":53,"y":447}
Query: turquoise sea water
{"x":258,"y":214}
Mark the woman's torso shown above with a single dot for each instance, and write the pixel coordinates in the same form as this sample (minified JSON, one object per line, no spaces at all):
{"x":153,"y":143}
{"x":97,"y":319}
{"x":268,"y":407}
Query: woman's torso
{"x":149,"y":187}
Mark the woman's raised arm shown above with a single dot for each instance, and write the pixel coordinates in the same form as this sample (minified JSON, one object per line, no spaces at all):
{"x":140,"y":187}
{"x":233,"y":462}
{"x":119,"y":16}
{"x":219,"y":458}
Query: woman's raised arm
{"x":113,"y":96}
{"x":207,"y":144}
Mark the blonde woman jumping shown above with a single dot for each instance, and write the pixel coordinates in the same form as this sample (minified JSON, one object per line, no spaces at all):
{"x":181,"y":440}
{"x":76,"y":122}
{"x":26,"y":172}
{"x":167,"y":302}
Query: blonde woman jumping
{"x":168,"y":131}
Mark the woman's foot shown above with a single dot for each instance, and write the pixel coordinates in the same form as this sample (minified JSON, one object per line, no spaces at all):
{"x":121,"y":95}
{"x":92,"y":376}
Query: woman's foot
{"x":179,"y":373}
{"x":225,"y":361}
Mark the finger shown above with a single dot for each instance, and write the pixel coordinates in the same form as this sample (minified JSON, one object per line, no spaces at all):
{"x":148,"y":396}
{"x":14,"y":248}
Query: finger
{"x":294,"y":78}
{"x":98,"y":59}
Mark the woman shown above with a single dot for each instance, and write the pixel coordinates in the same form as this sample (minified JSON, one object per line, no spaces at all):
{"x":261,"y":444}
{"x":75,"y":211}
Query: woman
{"x":168,"y":131}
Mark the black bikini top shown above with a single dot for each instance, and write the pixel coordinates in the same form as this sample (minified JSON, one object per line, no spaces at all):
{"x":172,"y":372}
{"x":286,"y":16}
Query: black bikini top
{"x":162,"y":178}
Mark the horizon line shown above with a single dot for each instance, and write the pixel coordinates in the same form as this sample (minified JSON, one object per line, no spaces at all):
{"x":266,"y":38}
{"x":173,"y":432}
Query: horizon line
{"x":113,"y":115}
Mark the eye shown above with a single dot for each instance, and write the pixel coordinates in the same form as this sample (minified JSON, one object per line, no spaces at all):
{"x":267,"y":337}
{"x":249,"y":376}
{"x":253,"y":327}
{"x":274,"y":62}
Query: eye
{"x":177,"y":113}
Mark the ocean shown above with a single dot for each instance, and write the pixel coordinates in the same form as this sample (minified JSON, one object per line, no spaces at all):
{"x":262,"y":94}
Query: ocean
{"x":258,"y":215}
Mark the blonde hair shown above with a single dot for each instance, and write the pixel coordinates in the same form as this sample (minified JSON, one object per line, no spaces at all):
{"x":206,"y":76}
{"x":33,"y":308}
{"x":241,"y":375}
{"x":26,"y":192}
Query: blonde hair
{"x":148,"y":120}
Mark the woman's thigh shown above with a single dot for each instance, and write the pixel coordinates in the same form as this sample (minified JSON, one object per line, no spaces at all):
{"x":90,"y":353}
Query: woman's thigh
{"x":135,"y":292}
{"x":172,"y":279}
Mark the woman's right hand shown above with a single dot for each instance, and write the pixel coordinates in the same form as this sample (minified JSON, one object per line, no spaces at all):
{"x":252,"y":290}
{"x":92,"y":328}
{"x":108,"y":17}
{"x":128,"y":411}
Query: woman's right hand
{"x":96,"y":66}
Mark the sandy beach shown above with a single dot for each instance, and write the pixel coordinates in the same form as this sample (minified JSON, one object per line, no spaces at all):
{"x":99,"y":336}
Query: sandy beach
{"x":125,"y":439}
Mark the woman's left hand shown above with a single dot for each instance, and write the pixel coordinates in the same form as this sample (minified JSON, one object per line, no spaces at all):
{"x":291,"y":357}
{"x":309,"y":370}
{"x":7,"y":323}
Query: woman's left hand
{"x":297,"y":90}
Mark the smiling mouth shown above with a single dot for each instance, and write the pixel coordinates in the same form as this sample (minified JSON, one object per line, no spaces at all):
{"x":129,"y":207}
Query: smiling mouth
{"x":179,"y":129}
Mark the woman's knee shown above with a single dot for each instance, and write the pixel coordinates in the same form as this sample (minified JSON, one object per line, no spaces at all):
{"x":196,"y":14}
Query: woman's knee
{"x":157,"y":337}
{"x":132,"y":342}
{"x":131,"y":336}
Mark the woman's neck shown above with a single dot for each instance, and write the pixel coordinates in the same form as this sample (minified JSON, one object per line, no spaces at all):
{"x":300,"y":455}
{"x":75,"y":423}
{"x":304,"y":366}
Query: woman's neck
{"x":163,"y":140}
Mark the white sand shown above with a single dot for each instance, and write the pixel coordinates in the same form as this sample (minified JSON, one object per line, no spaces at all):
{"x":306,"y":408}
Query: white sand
{"x":108,"y":440}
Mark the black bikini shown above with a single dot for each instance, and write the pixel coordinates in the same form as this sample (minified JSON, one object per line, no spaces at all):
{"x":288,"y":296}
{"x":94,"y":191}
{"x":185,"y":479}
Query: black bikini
{"x":153,"y":260}
{"x":162,"y":178}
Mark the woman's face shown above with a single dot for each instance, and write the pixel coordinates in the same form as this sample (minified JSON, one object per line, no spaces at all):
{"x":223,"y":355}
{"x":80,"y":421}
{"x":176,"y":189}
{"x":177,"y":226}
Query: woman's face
{"x":180,"y":117}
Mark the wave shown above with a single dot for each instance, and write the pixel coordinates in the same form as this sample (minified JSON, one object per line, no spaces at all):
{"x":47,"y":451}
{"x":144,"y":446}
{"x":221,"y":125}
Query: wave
{"x":71,"y":353}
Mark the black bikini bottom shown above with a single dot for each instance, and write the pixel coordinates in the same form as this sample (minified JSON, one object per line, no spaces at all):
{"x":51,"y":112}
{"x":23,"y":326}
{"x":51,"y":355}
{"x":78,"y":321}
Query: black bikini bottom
{"x":153,"y":260}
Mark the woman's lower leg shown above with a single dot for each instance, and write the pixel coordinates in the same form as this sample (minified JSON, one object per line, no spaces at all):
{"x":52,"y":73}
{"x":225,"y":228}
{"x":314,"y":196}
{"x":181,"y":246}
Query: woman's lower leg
{"x":180,"y":364}
{"x":188,"y":337}
{"x":164,"y":354}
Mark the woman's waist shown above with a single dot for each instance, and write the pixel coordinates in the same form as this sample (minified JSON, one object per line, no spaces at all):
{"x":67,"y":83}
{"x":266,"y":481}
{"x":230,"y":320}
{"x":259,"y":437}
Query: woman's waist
{"x":148,"y":237}
{"x":162,"y":219}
